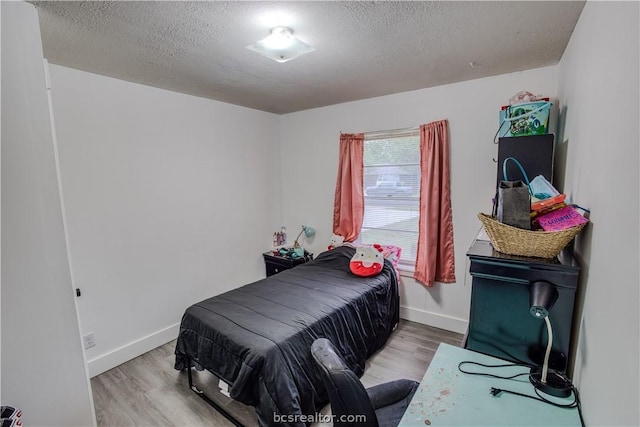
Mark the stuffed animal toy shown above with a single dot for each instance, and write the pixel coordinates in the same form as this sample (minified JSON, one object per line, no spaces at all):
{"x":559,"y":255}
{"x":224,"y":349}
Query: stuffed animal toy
{"x":335,"y":241}
{"x":367,"y":261}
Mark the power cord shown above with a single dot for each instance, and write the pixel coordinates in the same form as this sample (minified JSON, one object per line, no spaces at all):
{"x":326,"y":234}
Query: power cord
{"x":494,"y":391}
{"x":485,"y":374}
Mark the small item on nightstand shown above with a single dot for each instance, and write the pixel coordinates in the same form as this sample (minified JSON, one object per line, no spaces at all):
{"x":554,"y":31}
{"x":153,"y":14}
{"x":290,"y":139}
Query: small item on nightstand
{"x":280,"y":237}
{"x":283,"y":259}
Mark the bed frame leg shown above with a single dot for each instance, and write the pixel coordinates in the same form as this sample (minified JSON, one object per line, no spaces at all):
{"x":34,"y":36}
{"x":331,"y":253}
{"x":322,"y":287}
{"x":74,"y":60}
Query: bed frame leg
{"x":211,"y":403}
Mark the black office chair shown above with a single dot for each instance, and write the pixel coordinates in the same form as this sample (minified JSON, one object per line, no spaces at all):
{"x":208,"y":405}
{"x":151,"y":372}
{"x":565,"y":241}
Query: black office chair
{"x":352,"y":404}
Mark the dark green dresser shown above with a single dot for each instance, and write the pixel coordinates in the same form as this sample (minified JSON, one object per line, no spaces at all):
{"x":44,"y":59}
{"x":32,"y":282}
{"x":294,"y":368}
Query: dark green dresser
{"x":500,"y":324}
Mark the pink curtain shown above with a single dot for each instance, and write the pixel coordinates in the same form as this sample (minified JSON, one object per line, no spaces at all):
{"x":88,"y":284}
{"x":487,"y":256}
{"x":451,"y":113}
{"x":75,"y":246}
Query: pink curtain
{"x":348,"y":206}
{"x":435,"y":259}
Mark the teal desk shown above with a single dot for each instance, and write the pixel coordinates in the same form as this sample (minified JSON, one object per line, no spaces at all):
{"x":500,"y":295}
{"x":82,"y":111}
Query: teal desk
{"x":448,"y":397}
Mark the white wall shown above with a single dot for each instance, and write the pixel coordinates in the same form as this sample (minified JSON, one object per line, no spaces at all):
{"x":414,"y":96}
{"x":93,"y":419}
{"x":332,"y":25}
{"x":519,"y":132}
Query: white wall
{"x":310,"y":157}
{"x":43,"y":370}
{"x":599,"y":89}
{"x":169,"y":199}
{"x":148,"y":204}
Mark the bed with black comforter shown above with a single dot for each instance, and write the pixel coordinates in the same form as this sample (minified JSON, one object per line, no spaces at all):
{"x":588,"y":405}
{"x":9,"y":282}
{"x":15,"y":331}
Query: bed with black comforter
{"x":257,"y":338}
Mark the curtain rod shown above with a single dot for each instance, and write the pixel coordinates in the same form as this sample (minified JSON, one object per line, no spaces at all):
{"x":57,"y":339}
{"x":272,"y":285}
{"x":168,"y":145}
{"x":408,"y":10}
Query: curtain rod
{"x":392,"y":133}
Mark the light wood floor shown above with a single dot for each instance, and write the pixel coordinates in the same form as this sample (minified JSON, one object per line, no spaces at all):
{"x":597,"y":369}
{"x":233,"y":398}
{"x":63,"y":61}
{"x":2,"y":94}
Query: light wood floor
{"x":147,"y":391}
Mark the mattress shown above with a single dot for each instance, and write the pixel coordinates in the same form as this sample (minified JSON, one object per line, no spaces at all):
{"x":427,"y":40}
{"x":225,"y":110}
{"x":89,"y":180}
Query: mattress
{"x":257,"y":338}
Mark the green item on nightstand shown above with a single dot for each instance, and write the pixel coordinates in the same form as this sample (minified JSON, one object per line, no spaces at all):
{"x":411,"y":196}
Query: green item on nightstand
{"x":284,"y":259}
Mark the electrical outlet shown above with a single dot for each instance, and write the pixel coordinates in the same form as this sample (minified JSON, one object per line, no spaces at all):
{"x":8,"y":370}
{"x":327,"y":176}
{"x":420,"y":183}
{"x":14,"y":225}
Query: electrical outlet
{"x":89,"y":340}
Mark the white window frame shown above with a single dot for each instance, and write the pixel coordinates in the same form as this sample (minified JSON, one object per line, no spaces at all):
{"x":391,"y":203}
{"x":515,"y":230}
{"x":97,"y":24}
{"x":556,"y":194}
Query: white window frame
{"x":393,"y":197}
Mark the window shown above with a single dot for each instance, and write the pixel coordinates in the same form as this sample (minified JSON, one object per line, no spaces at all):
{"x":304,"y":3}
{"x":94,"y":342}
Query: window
{"x":392,"y":191}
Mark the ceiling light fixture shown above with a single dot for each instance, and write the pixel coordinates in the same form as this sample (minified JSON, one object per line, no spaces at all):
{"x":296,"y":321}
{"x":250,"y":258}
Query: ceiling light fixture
{"x":281,"y":45}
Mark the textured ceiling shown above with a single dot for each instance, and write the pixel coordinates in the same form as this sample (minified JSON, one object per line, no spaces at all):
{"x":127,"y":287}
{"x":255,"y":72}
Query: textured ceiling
{"x":363,"y":49}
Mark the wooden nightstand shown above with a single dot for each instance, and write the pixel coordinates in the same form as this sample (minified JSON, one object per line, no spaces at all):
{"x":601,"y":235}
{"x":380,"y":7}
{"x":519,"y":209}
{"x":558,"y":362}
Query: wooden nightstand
{"x":276,"y":263}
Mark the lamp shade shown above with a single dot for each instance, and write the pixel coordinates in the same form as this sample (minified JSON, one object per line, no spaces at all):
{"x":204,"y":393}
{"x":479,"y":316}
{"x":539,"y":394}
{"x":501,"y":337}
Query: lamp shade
{"x":542,"y":296}
{"x":308,"y":231}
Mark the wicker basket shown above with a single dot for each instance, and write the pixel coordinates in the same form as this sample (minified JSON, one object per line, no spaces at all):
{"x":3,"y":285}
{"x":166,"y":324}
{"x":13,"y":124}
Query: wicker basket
{"x":516,"y":241}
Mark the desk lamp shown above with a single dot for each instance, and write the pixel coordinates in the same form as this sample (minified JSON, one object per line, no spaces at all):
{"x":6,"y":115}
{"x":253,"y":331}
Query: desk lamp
{"x":542,"y":297}
{"x":309,"y":232}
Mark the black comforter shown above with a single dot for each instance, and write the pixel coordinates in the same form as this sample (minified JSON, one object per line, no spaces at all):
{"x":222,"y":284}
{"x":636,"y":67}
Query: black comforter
{"x":257,"y":338}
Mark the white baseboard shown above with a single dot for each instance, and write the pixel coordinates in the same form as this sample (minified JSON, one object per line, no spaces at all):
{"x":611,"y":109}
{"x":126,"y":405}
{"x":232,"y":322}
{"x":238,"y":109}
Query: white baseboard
{"x":433,"y":319}
{"x":136,"y":348}
{"x":129,"y":351}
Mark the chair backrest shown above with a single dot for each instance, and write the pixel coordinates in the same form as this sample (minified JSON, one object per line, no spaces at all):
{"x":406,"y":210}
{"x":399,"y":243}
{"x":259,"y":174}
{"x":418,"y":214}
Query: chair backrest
{"x":350,"y":403}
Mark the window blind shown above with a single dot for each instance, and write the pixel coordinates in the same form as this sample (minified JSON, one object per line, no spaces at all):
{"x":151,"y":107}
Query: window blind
{"x":392,"y":189}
